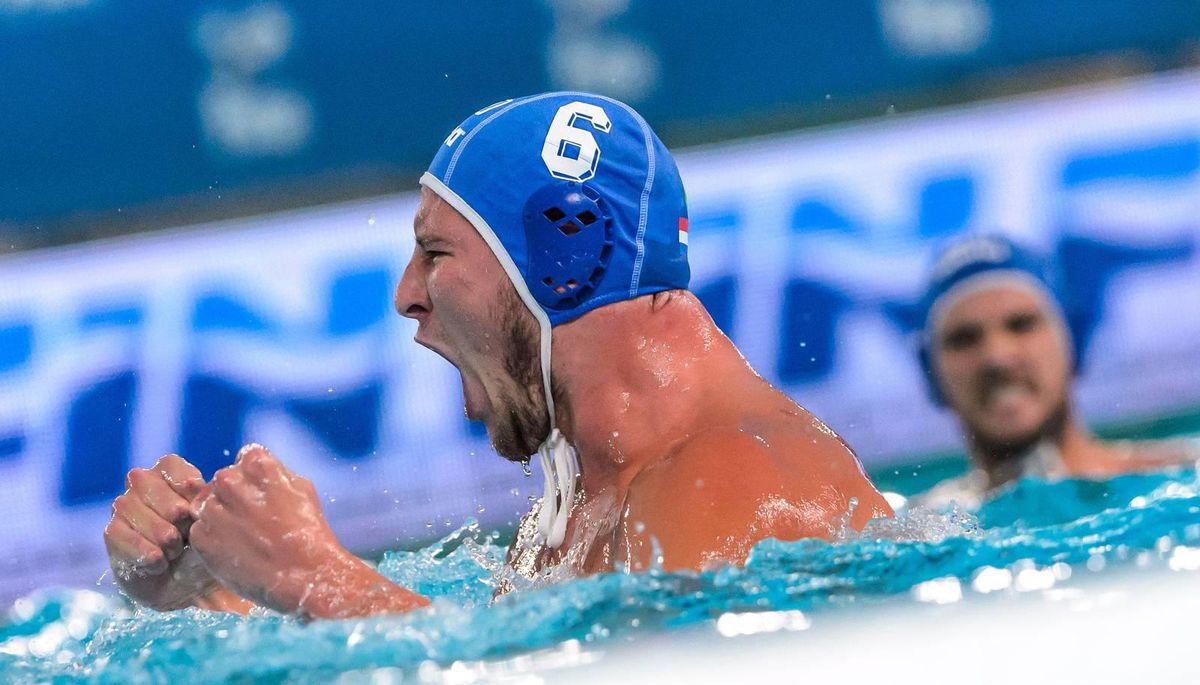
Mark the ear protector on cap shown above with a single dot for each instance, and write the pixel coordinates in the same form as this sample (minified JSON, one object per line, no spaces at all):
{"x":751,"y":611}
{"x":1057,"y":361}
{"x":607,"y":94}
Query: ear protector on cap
{"x":569,"y":232}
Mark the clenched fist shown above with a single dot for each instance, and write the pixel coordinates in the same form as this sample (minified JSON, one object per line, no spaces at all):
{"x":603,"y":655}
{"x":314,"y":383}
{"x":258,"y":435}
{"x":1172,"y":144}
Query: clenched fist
{"x":260,"y":530}
{"x":147,"y":537}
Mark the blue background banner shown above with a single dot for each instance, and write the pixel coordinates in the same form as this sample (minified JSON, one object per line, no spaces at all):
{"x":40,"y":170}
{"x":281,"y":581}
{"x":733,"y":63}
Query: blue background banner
{"x":110,"y":109}
{"x":808,"y":249}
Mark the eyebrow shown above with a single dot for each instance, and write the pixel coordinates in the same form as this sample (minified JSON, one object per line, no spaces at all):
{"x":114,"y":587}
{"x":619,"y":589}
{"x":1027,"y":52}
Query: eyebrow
{"x":963,"y":327}
{"x":428,"y":236}
{"x":421,"y":229}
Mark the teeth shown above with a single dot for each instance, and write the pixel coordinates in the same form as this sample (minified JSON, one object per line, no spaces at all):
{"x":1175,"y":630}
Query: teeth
{"x":1007,"y":392}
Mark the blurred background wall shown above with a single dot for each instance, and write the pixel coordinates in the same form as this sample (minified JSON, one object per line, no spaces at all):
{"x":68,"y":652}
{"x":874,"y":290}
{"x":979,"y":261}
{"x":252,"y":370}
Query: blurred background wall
{"x":204,"y":208}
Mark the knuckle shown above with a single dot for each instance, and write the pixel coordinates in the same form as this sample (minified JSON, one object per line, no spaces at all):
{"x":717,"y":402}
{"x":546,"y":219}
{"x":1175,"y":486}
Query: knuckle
{"x":136,"y":478}
{"x":168,"y":536}
{"x":177,"y":511}
{"x":179,"y":466}
{"x":153,"y":557}
{"x":169,"y":460}
{"x":251,"y":449}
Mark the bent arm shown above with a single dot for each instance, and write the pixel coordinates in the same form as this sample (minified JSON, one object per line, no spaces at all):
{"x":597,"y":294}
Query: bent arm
{"x":348,"y":587}
{"x":343,"y":587}
{"x":261,"y":533}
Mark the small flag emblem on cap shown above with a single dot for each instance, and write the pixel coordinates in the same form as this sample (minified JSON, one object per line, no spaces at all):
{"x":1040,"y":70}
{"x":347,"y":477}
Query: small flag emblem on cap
{"x":683,"y":233}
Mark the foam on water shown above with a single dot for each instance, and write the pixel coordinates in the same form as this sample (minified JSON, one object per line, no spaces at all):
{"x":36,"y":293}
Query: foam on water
{"x":1032,"y":537}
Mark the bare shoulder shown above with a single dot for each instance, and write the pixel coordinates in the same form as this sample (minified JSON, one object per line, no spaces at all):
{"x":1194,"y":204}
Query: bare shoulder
{"x":713,"y":452}
{"x":715,"y":496}
{"x":1156,"y":454}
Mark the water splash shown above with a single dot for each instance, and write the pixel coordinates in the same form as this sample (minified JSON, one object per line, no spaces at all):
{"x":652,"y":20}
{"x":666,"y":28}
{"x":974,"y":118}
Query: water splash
{"x":1033,"y":537}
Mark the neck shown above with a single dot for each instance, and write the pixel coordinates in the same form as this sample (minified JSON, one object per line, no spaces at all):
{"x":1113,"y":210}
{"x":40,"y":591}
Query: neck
{"x":621,"y":373}
{"x":1065,"y":434}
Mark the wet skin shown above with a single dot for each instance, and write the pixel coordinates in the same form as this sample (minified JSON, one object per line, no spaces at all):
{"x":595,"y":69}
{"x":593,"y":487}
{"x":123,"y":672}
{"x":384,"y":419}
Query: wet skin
{"x":706,"y":458}
{"x":146,"y":538}
{"x":678,"y":438}
{"x":680,"y":443}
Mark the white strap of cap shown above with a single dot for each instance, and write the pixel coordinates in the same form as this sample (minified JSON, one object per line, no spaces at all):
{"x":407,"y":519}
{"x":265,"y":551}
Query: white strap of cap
{"x":558,"y":459}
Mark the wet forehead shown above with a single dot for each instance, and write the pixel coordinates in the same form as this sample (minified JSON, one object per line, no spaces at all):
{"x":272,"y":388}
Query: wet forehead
{"x":435,"y":219}
{"x":991,"y":304}
{"x":423,"y":219}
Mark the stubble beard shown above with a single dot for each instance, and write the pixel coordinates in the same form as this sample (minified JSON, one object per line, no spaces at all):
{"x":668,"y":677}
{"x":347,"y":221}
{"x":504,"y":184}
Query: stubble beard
{"x":521,"y":420}
{"x":1005,"y":455}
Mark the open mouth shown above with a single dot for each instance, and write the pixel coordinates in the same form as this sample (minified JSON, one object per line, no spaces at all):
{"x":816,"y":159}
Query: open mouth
{"x":472,"y":405}
{"x":433,"y":348}
{"x":997,"y":394}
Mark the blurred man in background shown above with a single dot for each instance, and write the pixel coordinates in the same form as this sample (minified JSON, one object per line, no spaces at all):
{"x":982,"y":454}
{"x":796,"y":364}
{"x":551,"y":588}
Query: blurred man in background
{"x":557,"y":218}
{"x":996,"y":350}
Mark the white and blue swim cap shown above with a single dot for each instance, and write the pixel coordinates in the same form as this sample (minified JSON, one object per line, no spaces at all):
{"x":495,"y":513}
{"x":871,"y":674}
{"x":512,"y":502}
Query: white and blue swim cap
{"x":581,"y":202}
{"x":981,"y":261}
{"x":583,"y":206}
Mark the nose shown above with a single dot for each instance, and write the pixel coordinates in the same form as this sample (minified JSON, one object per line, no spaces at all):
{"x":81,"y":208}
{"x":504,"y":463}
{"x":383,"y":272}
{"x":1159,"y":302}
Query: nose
{"x":412,"y":298}
{"x":1000,"y":348}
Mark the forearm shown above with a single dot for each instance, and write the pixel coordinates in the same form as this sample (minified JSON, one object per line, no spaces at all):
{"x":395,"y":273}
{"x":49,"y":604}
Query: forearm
{"x":221,"y":598}
{"x":347,"y":587}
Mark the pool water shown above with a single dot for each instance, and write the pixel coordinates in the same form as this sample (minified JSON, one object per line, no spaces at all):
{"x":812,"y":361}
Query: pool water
{"x":1037,"y":536}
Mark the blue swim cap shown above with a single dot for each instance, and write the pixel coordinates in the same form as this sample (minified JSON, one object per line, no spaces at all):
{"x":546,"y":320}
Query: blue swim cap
{"x":581,"y":202}
{"x":981,"y":260}
{"x":583,"y":206}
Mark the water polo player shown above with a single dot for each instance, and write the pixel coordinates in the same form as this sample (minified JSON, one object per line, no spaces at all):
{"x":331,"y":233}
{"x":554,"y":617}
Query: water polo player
{"x":551,"y":270}
{"x":997,"y":350}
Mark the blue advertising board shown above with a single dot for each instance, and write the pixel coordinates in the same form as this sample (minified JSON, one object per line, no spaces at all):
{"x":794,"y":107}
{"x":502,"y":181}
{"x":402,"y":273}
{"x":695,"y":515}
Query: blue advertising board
{"x":107,"y":107}
{"x":808,"y":250}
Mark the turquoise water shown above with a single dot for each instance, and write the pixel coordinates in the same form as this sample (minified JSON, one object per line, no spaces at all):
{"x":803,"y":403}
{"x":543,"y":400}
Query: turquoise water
{"x":1054,"y":530}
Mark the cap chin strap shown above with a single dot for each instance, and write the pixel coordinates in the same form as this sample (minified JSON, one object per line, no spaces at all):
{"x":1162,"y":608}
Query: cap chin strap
{"x":560,"y":465}
{"x":558,"y":460}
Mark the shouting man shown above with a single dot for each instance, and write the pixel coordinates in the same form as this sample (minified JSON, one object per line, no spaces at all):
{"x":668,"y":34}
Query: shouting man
{"x":551,"y":270}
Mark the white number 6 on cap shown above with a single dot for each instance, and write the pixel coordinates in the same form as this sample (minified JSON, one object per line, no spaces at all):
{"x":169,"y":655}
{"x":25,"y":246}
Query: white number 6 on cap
{"x":571,"y":153}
